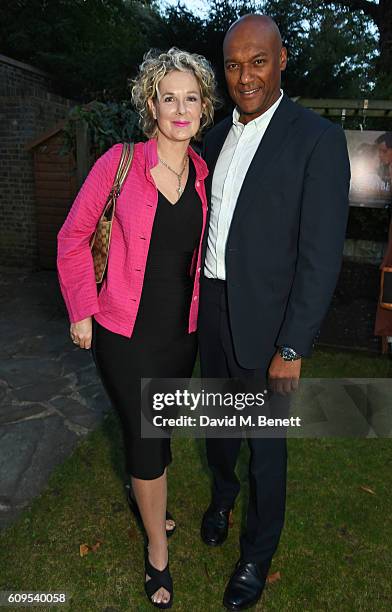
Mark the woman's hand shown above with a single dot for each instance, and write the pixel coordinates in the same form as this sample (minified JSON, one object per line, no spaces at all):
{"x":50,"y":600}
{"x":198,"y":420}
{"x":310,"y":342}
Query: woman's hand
{"x":81,"y":332}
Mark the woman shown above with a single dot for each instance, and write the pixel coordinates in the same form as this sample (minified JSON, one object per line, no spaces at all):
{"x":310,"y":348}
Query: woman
{"x":142,"y":323}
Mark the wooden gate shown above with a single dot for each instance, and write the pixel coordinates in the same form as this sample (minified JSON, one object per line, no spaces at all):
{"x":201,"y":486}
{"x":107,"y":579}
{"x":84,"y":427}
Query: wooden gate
{"x":55,"y":189}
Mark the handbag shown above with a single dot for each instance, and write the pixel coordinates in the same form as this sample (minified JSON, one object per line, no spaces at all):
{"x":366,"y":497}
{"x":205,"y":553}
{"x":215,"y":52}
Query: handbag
{"x":100,"y":241}
{"x":386,"y":288}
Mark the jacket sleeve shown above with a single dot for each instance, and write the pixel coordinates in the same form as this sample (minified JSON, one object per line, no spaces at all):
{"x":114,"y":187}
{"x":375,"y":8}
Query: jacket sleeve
{"x":323,"y":223}
{"x":75,"y":265}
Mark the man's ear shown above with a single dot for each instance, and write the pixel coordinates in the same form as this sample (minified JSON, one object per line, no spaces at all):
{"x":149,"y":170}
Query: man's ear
{"x":283,"y":58}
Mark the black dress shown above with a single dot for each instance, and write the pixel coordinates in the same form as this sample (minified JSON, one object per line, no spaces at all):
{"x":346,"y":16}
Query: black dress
{"x":160,"y":345}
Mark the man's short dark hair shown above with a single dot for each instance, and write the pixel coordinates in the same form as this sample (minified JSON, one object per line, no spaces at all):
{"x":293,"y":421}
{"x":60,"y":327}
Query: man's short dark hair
{"x":387,"y":138}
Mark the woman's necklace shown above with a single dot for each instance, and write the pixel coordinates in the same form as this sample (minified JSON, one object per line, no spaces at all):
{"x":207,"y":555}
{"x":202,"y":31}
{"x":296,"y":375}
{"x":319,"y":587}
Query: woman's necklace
{"x":178,"y":175}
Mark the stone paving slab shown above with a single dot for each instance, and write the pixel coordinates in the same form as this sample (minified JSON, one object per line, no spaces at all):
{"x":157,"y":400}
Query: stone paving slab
{"x":50,"y":394}
{"x":30,"y":449}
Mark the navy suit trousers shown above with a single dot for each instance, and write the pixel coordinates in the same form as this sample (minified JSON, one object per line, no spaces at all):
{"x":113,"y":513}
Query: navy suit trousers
{"x":268,"y":456}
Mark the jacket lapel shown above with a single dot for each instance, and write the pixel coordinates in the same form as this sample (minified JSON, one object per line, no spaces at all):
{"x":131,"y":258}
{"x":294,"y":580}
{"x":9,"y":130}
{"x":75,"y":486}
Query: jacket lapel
{"x":266,"y":154}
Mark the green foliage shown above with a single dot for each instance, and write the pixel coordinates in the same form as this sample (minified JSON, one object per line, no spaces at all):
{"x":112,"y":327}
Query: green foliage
{"x":109,"y":123}
{"x":383,"y":88}
{"x":331,"y":50}
{"x":88,"y":46}
{"x":92,"y":47}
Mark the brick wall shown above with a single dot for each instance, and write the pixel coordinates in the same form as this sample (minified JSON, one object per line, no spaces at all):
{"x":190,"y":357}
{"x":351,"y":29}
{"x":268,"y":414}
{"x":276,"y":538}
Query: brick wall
{"x":27,"y":109}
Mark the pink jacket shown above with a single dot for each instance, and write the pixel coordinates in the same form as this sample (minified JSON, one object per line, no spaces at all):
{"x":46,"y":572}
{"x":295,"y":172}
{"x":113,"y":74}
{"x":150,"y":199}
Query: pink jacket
{"x":117,"y":304}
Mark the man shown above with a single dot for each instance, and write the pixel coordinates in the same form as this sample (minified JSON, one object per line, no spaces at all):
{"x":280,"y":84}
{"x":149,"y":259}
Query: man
{"x":278,"y":190}
{"x":384,"y":145}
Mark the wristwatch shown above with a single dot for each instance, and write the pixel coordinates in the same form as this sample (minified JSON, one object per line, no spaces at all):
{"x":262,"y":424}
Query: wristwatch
{"x":288,"y":354}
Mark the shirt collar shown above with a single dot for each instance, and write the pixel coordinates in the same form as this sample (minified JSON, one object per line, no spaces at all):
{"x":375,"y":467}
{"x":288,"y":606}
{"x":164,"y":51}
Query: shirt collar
{"x":259,"y":121}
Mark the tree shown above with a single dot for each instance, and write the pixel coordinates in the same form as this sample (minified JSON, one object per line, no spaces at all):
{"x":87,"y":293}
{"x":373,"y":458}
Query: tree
{"x":88,"y":46}
{"x":381,"y":14}
{"x":331,"y":51}
{"x":91,"y":47}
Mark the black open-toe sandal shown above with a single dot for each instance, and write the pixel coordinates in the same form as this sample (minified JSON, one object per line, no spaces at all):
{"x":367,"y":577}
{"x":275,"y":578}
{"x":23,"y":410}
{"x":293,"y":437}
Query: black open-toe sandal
{"x":135,"y":510}
{"x":158,"y":579}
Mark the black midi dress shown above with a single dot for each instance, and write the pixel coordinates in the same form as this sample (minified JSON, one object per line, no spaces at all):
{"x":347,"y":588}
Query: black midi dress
{"x":160,"y":345}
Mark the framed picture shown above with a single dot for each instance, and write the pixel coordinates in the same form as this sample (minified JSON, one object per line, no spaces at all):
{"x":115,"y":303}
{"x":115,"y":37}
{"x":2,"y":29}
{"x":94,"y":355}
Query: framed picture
{"x":370,"y":168}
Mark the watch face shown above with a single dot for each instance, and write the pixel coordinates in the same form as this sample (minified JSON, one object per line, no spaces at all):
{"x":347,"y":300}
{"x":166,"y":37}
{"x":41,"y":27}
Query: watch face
{"x":288,"y":354}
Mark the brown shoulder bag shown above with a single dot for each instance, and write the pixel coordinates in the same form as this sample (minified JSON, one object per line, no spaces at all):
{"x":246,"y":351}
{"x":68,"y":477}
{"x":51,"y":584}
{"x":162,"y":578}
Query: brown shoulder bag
{"x":100,"y":240}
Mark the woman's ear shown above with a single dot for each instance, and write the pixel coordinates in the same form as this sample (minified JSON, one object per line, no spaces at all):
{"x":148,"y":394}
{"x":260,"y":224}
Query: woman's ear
{"x":151,"y":106}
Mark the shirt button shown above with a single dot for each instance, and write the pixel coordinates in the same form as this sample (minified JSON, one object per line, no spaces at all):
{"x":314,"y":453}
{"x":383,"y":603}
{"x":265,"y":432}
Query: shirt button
{"x":197,"y":183}
{"x":199,"y":269}
{"x":195,"y":298}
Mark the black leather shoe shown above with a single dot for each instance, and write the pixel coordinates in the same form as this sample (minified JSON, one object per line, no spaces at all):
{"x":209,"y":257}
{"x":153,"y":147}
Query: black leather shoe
{"x":215,"y":525}
{"x":245,"y":586}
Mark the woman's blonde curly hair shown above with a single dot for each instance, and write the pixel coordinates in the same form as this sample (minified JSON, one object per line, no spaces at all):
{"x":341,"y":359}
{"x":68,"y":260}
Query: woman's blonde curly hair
{"x":154,"y":67}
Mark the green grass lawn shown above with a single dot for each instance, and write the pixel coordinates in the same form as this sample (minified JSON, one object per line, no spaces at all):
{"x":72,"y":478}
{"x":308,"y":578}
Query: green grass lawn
{"x":335,"y":551}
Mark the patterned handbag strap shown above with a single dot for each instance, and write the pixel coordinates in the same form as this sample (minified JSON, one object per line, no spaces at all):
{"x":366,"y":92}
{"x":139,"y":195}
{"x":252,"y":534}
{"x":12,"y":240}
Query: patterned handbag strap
{"x":123,"y":169}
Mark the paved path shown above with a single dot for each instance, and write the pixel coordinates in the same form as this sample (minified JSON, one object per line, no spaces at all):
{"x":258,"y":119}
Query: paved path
{"x":50,"y":395}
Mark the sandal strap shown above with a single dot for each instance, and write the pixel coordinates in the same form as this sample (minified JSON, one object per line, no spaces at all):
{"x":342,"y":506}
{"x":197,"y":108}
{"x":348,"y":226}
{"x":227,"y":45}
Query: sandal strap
{"x":158,"y":578}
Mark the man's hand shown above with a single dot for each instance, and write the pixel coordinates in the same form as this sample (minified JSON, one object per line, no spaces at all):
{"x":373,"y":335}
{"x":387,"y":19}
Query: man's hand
{"x":284,"y":375}
{"x":81,"y":333}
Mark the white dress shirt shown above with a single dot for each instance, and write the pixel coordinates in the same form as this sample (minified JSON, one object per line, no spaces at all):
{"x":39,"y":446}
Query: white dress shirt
{"x":231,"y":167}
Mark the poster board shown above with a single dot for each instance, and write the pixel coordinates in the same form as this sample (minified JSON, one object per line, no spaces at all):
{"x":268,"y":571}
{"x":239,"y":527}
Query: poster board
{"x":370,"y":185}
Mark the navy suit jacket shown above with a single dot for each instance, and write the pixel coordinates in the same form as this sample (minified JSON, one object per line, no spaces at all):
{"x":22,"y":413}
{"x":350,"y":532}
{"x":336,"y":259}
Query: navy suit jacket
{"x":285,"y":243}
